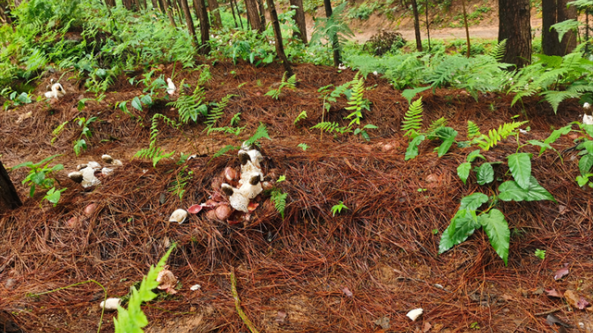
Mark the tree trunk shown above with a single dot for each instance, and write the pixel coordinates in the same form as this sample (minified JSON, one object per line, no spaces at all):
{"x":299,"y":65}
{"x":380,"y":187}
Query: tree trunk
{"x":427,"y":26}
{"x":202,"y":14}
{"x":169,"y":12}
{"x":234,"y":17}
{"x":333,"y":38}
{"x":515,"y":26}
{"x":110,"y":3}
{"x":550,"y":41}
{"x":9,"y":198}
{"x":253,"y":15}
{"x":128,"y":4}
{"x":299,"y":18}
{"x":215,"y":13}
{"x":262,"y":13}
{"x":188,"y":20}
{"x":278,"y":35}
{"x":417,"y":26}
{"x":466,"y":29}
{"x":569,"y":40}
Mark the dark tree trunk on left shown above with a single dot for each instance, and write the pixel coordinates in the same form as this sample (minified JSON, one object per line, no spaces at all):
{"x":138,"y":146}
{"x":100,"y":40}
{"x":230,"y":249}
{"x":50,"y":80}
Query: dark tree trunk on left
{"x":262,"y":13}
{"x":299,"y":18}
{"x":417,"y":26}
{"x":334,"y":37}
{"x":515,"y":26}
{"x":9,"y":198}
{"x":202,"y":14}
{"x":278,"y":35}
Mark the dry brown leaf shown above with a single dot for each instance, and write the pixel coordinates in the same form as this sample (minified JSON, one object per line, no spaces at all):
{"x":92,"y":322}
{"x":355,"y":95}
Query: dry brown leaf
{"x":347,"y":292}
{"x":427,"y":327}
{"x":553,"y":293}
{"x":167,"y":281}
{"x":572,"y":298}
{"x":562,"y":272}
{"x":281,"y":317}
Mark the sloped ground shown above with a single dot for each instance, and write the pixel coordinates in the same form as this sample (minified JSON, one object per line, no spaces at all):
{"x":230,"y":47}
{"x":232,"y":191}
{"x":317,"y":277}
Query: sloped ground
{"x":383,"y":249}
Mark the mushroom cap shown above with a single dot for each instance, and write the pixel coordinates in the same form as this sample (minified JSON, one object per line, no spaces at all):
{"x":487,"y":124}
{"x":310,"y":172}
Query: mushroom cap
{"x":107,"y":159}
{"x":178,"y":216}
{"x":76,"y":176}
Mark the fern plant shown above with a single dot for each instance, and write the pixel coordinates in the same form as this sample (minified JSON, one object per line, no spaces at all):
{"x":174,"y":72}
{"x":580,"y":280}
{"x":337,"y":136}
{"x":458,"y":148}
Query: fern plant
{"x":153,"y":152}
{"x":494,"y":136}
{"x":217,"y":113}
{"x":279,"y":199}
{"x":301,"y":116}
{"x":132,"y":319}
{"x":413,"y":119}
{"x":191,"y":106}
{"x":473,"y":130}
{"x":289,"y":84}
{"x":260,"y":133}
{"x":356,"y":101}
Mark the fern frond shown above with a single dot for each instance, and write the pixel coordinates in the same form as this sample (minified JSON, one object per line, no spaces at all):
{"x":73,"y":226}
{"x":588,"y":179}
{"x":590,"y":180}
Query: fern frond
{"x":556,"y":97}
{"x":413,"y":118}
{"x":301,"y":116}
{"x":279,"y":200}
{"x":487,"y":141}
{"x":356,"y":102}
{"x":472,"y":130}
{"x":441,"y":122}
{"x":217,"y":112}
{"x":58,"y":131}
{"x":326,"y":126}
{"x":191,"y":106}
{"x":499,"y":50}
{"x":225,"y":150}
{"x":260,"y":133}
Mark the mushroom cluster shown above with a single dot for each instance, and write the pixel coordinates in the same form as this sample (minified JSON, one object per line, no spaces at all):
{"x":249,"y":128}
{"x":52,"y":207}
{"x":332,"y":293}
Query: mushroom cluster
{"x":56,"y":91}
{"x":87,"y":173}
{"x":250,"y":182}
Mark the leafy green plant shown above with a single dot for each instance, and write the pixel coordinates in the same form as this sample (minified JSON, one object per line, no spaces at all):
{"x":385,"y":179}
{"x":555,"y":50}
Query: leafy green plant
{"x":56,"y":132}
{"x":192,"y":106}
{"x":40,"y":174}
{"x":279,"y":199}
{"x":541,"y":254}
{"x":301,"y":116}
{"x":413,"y":119}
{"x":333,"y":29}
{"x":217,"y":113}
{"x":80,"y":143}
{"x":356,"y":101}
{"x":53,"y":196}
{"x":132,"y":319}
{"x":303,"y":146}
{"x":260,"y":133}
{"x":288,"y":84}
{"x":154,"y":152}
{"x":181,"y":180}
{"x":494,"y":136}
{"x":337,"y":209}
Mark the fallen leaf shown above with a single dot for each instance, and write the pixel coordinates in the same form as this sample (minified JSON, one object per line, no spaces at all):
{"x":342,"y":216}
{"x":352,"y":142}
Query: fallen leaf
{"x":195,"y":209}
{"x":90,"y":209}
{"x":167,"y":281}
{"x":551,"y":320}
{"x":427,"y":327}
{"x":383,"y":322}
{"x":252,"y":206}
{"x":562,"y":272}
{"x":561,"y":209}
{"x":553,"y":293}
{"x":347,"y":292}
{"x":582,"y":303}
{"x":280,"y":317}
{"x":572,"y":298}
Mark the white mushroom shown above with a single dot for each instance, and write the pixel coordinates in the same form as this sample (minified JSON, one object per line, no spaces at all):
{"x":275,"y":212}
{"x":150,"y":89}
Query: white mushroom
{"x":76,"y":176}
{"x":170,"y":87}
{"x":107,"y":172}
{"x":414,"y":314}
{"x":88,"y":176}
{"x":107,"y":159}
{"x":587,"y":120}
{"x":178,"y":216}
{"x":237,"y":199}
{"x":57,"y":91}
{"x":110,"y":304}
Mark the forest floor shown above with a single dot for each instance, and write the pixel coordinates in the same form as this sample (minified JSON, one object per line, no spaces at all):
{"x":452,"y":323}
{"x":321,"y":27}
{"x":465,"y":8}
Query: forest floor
{"x":359,"y":271}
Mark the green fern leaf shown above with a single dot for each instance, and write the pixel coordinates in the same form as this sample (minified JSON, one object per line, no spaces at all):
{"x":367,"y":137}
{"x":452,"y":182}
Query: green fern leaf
{"x":301,"y":116}
{"x":413,"y":119}
{"x":279,"y":200}
{"x":473,"y":130}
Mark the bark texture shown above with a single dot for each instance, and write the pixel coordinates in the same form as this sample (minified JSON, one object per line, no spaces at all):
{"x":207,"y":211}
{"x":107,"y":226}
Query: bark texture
{"x":253,"y":15}
{"x":9,"y":198}
{"x":515,"y":27}
{"x":278,"y":37}
{"x":417,"y":25}
{"x":215,"y":14}
{"x":333,"y":39}
{"x":202,"y":14}
{"x":299,"y":18}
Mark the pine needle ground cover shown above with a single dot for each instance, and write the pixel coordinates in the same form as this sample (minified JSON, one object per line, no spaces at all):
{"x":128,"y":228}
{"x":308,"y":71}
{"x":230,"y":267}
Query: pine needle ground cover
{"x":306,"y":271}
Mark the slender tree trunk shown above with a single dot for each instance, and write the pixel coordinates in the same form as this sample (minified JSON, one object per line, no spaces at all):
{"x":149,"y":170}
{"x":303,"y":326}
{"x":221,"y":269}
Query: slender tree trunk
{"x":253,"y":15}
{"x":9,"y":198}
{"x":515,"y":26}
{"x":215,"y":14}
{"x":169,"y":12}
{"x":234,"y":17}
{"x":427,"y":27}
{"x":278,"y":35}
{"x":238,"y":14}
{"x":299,"y":18}
{"x":202,"y":13}
{"x":110,"y":3}
{"x":143,"y":4}
{"x":333,"y":38}
{"x":569,"y":40}
{"x":550,"y":43}
{"x":417,"y":26}
{"x":262,"y":13}
{"x":154,"y":4}
{"x":188,"y":20}
{"x":466,"y":28}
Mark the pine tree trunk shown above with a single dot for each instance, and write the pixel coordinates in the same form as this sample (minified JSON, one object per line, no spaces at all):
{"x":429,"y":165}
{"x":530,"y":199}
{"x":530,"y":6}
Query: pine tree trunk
{"x":515,"y":26}
{"x":234,"y":16}
{"x":299,"y":18}
{"x":262,"y":13}
{"x":188,"y":20}
{"x":569,"y":40}
{"x":417,"y":26}
{"x":278,"y":35}
{"x":169,"y":12}
{"x":550,"y":43}
{"x":253,"y":15}
{"x":427,"y":26}
{"x":202,"y":14}
{"x":333,"y":38}
{"x":466,"y":29}
{"x":9,"y":198}
{"x":215,"y":13}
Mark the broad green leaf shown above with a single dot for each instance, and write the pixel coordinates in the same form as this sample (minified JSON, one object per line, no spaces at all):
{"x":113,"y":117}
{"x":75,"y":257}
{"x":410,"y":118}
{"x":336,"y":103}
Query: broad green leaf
{"x":53,"y":196}
{"x":583,"y":180}
{"x":410,"y":93}
{"x":458,"y":231}
{"x":510,"y":191}
{"x":473,"y":155}
{"x":588,"y":129}
{"x":520,"y":165}
{"x":557,"y":133}
{"x":497,"y":229}
{"x":38,"y":178}
{"x":485,"y":174}
{"x":585,"y":164}
{"x":473,"y":201}
{"x":444,"y":147}
{"x":588,"y":145}
{"x":57,"y":167}
{"x":463,"y":171}
{"x":544,"y":146}
{"x":445,"y":133}
{"x":412,"y":150}
{"x":137,"y":104}
{"x":146,"y":100}
{"x":26,"y":164}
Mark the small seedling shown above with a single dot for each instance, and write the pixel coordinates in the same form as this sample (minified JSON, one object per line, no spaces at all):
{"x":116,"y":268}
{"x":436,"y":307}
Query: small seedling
{"x":541,"y":254}
{"x":281,"y":179}
{"x":303,"y":146}
{"x":53,"y":196}
{"x":39,"y":174}
{"x":338,"y":208}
